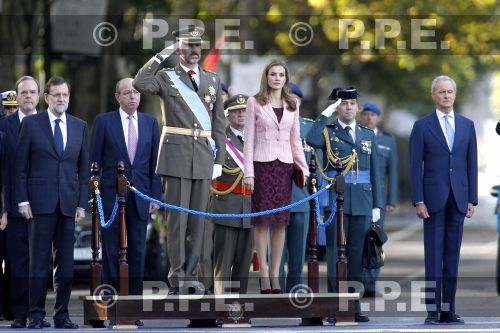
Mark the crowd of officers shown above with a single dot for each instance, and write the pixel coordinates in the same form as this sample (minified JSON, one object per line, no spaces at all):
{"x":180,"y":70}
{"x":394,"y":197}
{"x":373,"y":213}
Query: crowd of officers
{"x":196,"y":160}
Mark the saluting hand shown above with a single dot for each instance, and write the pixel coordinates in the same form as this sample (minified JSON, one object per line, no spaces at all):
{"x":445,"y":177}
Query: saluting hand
{"x":248,"y":182}
{"x":331,"y":108}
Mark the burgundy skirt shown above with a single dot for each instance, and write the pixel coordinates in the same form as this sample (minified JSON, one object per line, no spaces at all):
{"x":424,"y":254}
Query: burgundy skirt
{"x":273,"y":189}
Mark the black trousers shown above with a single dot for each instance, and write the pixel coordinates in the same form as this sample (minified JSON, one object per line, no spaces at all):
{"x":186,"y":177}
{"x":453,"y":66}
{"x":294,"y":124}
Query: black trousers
{"x":136,"y":242}
{"x":47,"y":231}
{"x":18,"y":254}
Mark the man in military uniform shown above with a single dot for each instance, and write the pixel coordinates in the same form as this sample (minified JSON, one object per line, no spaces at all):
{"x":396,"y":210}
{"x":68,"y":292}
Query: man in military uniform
{"x":192,"y":148}
{"x":355,"y":146}
{"x":388,"y":163}
{"x":9,"y":102}
{"x":296,"y":232}
{"x":233,"y":241}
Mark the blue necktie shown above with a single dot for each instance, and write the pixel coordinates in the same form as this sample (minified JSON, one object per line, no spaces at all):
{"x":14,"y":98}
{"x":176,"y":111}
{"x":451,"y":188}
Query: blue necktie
{"x":450,"y":132}
{"x":58,"y":138}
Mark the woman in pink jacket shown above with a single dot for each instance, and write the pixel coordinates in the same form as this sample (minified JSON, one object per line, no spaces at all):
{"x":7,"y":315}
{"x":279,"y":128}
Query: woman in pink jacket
{"x":272,"y":147}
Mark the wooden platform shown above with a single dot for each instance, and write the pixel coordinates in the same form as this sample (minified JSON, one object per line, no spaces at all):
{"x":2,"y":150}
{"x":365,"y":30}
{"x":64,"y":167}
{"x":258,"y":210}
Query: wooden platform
{"x":312,"y":308}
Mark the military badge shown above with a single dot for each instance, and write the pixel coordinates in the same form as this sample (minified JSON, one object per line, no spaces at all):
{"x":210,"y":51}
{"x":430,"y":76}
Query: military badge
{"x":207,"y":98}
{"x":211,"y":90}
{"x":382,"y":147}
{"x":211,"y":106}
{"x":366,"y":146}
{"x":336,"y":139}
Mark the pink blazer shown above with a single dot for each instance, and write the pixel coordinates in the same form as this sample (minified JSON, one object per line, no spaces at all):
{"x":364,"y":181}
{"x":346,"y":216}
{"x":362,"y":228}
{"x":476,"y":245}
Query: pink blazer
{"x":267,"y":140}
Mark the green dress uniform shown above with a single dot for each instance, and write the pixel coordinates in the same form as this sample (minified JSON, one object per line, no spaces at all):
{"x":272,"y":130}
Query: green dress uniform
{"x":388,"y":163}
{"x":360,"y":160}
{"x":233,"y":238}
{"x":185,"y":160}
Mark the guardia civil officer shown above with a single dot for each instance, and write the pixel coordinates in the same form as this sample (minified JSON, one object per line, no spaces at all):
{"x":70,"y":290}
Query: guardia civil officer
{"x":355,"y":146}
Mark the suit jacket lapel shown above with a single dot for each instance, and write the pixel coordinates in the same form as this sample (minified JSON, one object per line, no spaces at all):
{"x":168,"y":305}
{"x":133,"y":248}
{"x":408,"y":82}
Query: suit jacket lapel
{"x":47,"y":129}
{"x":459,"y":130}
{"x":15,"y":125}
{"x":184,"y":77}
{"x":141,"y":124}
{"x":119,"y":135}
{"x":341,"y":133}
{"x":268,"y":110}
{"x":435,"y":129}
{"x":234,"y":139}
{"x":70,"y":134}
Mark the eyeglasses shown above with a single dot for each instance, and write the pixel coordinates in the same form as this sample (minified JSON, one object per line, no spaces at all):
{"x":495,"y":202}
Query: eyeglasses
{"x":59,"y":95}
{"x":129,"y":93}
{"x":9,"y":107}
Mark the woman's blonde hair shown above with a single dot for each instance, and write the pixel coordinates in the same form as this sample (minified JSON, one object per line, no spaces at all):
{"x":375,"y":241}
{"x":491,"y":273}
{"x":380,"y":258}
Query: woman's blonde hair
{"x":263,"y":95}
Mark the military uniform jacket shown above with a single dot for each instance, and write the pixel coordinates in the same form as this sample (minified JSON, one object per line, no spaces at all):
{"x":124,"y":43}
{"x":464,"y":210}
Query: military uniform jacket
{"x":182,"y":155}
{"x":388,"y":163}
{"x":231,"y":203}
{"x":359,"y":199}
{"x":301,"y":193}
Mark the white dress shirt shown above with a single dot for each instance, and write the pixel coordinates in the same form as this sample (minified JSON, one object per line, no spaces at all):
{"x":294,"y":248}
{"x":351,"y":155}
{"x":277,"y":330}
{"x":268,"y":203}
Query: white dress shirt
{"x":442,"y":121}
{"x":22,"y":115}
{"x":352,"y":132}
{"x":196,"y":76}
{"x":238,"y":132}
{"x":124,"y":117}
{"x":63,"y":125}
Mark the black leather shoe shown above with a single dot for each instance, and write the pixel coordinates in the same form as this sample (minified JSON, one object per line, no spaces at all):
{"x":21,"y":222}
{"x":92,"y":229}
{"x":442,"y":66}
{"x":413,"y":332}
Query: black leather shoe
{"x":174,"y":291}
{"x":65,"y":323}
{"x":35,"y":324}
{"x":450,"y":318}
{"x":331,"y":320}
{"x":361,"y":318}
{"x":432,"y":318}
{"x":139,"y":323}
{"x":45,"y":322}
{"x":18,"y":323}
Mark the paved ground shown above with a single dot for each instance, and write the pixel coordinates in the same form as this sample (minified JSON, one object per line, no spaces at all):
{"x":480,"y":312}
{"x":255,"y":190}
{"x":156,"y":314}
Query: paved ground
{"x":398,"y":310}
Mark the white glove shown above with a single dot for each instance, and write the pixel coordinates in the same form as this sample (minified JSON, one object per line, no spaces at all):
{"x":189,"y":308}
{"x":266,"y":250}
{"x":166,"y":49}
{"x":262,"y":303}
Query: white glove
{"x":167,"y":51}
{"x":331,"y":108}
{"x":217,"y":171}
{"x":375,"y":214}
{"x":80,"y":214}
{"x":25,"y":211}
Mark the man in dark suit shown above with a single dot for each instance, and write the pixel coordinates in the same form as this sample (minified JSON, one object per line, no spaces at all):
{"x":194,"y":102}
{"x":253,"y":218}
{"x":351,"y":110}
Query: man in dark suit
{"x":27,"y":95}
{"x":443,"y":159}
{"x":388,"y":164}
{"x":132,"y":137}
{"x":52,"y":193}
{"x":233,"y":241}
{"x":192,"y":148}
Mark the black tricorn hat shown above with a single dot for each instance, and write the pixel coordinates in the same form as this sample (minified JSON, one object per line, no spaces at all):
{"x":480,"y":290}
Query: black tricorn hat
{"x":344,"y":93}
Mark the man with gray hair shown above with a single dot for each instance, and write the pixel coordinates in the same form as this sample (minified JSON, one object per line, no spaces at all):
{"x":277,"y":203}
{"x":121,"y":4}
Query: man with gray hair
{"x":443,"y":160}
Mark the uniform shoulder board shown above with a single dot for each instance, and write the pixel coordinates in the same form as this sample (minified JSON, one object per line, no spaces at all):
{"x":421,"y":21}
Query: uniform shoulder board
{"x":387,"y":133}
{"x":169,"y":69}
{"x":208,"y":71}
{"x":365,"y":127}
